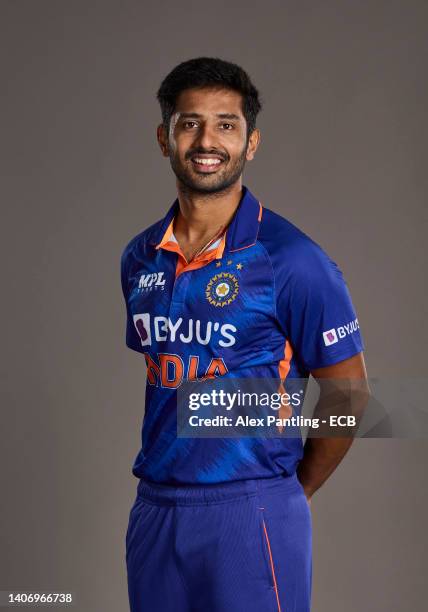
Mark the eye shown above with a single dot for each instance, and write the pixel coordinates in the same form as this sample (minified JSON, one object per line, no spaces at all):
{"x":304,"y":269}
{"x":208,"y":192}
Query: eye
{"x":227,"y":126}
{"x":189,"y":124}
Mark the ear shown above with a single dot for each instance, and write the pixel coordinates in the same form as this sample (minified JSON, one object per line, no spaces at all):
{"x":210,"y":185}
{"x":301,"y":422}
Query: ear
{"x":162,"y":137}
{"x":253,"y":143}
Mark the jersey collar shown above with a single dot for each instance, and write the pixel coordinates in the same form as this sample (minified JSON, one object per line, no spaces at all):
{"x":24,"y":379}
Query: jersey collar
{"x":241,"y":233}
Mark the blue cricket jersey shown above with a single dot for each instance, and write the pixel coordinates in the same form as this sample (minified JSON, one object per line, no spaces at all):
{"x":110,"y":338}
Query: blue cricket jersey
{"x":263,"y":301}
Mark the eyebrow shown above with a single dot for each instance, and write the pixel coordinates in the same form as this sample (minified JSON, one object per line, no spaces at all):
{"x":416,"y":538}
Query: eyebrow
{"x":219,"y":115}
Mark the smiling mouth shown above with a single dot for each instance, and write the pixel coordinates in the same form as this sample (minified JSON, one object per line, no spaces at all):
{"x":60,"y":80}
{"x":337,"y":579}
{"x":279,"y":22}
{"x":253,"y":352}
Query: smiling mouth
{"x":205,"y":163}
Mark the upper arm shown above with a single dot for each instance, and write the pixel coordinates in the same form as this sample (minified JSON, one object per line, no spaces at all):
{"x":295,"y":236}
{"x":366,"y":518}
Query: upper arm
{"x":318,"y":316}
{"x":345,"y":388}
{"x":132,"y":338}
{"x":353,"y":367}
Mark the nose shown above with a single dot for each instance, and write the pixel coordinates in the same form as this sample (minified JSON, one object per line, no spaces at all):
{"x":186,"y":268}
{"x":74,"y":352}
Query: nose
{"x":206,"y":138}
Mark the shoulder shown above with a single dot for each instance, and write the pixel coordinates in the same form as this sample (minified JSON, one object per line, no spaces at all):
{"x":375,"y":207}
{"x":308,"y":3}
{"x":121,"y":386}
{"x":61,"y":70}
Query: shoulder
{"x":291,"y":251}
{"x":137,"y":246}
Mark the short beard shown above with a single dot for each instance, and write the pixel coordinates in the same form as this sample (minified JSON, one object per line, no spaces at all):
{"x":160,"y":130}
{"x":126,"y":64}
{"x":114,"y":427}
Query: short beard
{"x":190,"y":187}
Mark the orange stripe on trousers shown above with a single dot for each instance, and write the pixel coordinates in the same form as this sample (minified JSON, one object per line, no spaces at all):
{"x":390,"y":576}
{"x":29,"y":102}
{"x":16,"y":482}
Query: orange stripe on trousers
{"x":272,"y":567}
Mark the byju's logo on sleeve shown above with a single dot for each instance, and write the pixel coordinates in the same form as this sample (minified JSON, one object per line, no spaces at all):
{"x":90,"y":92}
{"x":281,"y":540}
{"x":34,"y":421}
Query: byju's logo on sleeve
{"x":331,"y":336}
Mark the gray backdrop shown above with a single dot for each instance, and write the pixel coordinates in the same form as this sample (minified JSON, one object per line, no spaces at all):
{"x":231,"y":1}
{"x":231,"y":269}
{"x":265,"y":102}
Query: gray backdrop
{"x":342,"y":156}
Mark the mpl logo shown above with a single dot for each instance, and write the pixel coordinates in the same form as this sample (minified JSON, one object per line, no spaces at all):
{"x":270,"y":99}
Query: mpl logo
{"x":331,"y":336}
{"x":150,"y":281}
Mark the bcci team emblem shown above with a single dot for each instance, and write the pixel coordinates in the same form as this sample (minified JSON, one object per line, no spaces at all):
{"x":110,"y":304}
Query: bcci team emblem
{"x":222,"y":289}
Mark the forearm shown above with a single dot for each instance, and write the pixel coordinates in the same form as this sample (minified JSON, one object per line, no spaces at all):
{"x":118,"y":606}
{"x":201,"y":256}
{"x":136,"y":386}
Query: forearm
{"x":325,"y":447}
{"x":320,"y":459}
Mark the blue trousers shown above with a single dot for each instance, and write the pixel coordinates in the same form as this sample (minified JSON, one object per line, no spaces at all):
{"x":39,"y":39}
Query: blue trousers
{"x":242,"y":546}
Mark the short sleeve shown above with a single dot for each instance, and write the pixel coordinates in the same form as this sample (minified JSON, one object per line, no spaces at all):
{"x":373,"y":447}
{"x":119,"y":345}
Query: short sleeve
{"x":316,"y":307}
{"x":132,"y":337}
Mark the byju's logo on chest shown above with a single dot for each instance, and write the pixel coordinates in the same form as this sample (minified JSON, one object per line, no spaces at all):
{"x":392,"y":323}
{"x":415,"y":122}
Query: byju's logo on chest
{"x":148,"y":282}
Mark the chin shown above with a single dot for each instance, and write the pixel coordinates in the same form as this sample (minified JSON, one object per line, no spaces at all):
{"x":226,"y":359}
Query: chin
{"x":205,"y":184}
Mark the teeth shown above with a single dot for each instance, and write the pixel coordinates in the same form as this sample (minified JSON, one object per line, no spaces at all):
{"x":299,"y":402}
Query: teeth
{"x":206,"y":162}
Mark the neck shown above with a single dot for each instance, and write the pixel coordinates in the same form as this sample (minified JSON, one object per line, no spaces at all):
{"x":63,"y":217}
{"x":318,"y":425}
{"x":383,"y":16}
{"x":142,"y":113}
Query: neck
{"x":204,"y":214}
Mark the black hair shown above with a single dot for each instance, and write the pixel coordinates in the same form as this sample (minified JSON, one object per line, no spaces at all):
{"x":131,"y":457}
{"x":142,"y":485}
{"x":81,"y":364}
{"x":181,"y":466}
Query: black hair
{"x":209,"y":72}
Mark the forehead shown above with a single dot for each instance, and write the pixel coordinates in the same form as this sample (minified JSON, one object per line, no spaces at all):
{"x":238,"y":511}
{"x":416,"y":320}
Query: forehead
{"x":209,"y":100}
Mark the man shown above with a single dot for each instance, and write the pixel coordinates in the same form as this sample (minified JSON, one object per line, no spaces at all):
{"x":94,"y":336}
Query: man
{"x":224,"y":287}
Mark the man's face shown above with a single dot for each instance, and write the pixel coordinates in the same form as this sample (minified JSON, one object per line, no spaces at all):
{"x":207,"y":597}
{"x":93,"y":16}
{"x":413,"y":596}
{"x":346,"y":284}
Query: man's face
{"x":207,"y":142}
